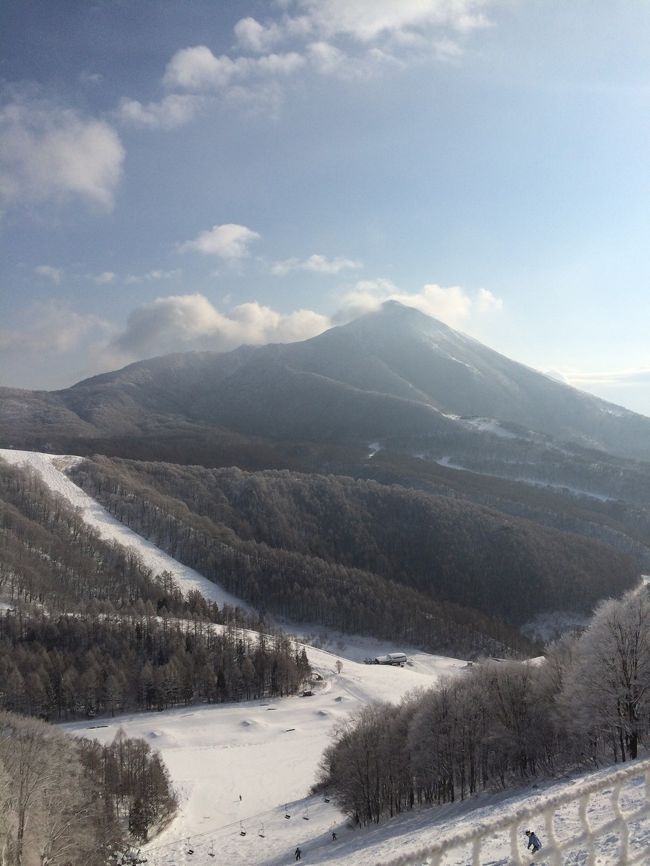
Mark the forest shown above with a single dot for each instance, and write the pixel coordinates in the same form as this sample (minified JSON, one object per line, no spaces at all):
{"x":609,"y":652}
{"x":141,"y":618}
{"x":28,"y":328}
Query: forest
{"x":500,"y":724}
{"x":73,"y":801}
{"x":94,"y":632}
{"x":83,"y":665}
{"x":339,"y":551}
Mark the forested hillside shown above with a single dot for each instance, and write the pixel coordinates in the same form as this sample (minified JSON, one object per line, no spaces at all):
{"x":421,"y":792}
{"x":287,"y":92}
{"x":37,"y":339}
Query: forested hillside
{"x":502,"y":723}
{"x":92,"y":631}
{"x":357,"y":555}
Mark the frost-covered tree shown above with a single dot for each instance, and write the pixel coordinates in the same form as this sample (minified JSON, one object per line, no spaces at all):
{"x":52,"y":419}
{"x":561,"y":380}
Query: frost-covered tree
{"x":606,"y":692}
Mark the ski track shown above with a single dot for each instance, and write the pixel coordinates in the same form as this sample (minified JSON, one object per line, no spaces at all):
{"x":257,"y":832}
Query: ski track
{"x":268,"y":751}
{"x":51,"y":468}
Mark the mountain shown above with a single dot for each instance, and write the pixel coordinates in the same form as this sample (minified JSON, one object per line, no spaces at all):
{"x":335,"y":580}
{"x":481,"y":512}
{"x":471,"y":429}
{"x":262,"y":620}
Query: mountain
{"x":391,"y":373}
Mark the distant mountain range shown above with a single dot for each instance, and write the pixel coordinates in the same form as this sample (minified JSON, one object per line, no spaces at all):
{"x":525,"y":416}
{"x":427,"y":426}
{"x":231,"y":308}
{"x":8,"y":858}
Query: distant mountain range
{"x":391,"y":373}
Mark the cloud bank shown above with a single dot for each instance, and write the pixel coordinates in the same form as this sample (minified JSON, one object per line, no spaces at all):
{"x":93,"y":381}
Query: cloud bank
{"x":191,"y":322}
{"x":453,"y":305}
{"x":329,"y":38}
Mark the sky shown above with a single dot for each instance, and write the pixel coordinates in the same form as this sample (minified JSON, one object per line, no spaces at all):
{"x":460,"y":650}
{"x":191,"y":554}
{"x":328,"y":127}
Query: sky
{"x":198,"y":175}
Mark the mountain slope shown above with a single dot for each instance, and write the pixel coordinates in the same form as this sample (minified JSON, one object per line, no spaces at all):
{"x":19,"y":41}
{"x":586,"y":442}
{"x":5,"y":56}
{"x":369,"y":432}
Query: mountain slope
{"x":446,"y":550}
{"x":395,"y":372}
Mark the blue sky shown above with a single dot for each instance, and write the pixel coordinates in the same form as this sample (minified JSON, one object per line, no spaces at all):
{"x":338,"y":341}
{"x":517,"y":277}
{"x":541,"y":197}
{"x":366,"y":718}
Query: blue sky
{"x":195,"y":175}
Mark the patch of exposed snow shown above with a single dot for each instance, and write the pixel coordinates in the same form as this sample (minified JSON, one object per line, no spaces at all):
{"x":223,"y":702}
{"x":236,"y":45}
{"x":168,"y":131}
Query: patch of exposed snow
{"x":534,"y":482}
{"x":447,"y":461}
{"x":488,"y":425}
{"x":373,"y":448}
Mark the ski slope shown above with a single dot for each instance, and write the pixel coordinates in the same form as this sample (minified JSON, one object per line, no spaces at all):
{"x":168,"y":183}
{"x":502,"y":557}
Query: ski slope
{"x":240,"y":769}
{"x":267,"y":752}
{"x":51,"y":468}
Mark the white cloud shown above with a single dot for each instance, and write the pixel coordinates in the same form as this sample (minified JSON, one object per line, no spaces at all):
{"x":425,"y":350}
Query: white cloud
{"x":52,"y":154}
{"x":229,"y":241}
{"x":408,"y":23}
{"x":152,"y":276}
{"x":104,"y":278}
{"x":183,"y":322}
{"x":198,"y":69}
{"x":638,"y":376}
{"x":367,"y":20}
{"x":451,"y":304}
{"x":175,"y":109}
{"x":316,"y":263}
{"x":50,"y":273}
{"x":487,"y":302}
{"x":51,"y":327}
{"x":333,"y":38}
{"x":256,"y":37}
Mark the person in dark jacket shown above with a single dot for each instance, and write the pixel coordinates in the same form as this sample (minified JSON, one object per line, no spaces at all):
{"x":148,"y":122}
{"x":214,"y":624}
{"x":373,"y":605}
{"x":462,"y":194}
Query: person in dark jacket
{"x":298,"y":853}
{"x":533,"y":841}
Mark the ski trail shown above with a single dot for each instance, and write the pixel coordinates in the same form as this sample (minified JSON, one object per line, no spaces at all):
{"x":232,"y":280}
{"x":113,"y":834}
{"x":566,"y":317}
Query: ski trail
{"x":51,"y":468}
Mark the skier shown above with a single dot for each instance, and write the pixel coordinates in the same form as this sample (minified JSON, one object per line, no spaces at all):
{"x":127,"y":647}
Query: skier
{"x":333,"y":836}
{"x":533,"y":841}
{"x":298,"y":853}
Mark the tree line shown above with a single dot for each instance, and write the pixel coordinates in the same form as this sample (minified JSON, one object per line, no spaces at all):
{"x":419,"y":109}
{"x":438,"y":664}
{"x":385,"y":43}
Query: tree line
{"x":84,"y":665}
{"x":499,"y":724}
{"x":74,"y":802}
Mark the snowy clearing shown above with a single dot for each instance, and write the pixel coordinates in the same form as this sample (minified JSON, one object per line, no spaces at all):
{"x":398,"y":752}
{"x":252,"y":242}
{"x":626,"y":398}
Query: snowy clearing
{"x":267,"y":752}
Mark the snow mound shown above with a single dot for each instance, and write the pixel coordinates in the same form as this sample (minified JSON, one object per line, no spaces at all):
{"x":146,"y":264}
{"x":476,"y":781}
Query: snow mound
{"x":252,"y":723}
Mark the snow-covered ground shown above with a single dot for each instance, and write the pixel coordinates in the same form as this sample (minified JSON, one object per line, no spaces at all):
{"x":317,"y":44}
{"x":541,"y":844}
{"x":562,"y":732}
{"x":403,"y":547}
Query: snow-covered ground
{"x":240,"y":769}
{"x":534,"y":482}
{"x":51,"y":468}
{"x":267,"y":752}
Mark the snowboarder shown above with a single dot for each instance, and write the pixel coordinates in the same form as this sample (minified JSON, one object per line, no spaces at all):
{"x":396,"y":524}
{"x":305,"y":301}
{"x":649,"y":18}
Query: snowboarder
{"x":298,"y":853}
{"x":533,"y":841}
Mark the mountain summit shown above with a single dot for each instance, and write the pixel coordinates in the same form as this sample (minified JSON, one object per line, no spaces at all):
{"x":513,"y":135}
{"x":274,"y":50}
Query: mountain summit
{"x":391,"y":373}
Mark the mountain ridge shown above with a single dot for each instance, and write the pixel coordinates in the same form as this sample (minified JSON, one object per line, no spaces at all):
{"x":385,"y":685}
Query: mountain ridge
{"x":389,"y":373}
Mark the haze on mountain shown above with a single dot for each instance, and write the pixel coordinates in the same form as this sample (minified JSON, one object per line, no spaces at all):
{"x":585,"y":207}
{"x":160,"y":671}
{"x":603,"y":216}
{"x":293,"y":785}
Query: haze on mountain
{"x":391,"y":373}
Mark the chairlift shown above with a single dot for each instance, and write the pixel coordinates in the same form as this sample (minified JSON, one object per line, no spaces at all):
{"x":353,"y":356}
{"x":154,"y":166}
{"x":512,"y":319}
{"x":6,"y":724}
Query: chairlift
{"x":286,"y":811}
{"x":260,"y":832}
{"x":242,"y":831}
{"x":188,"y":846}
{"x":211,"y":851}
{"x":305,"y":817}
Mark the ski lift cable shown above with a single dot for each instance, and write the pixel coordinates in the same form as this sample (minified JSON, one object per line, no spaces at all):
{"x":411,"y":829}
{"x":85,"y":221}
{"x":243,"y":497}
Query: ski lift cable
{"x":186,"y":839}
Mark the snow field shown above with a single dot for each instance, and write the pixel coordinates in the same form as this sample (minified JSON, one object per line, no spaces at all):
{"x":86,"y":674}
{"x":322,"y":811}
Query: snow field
{"x":267,"y":751}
